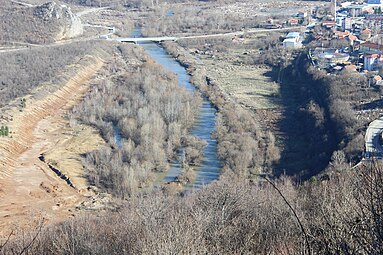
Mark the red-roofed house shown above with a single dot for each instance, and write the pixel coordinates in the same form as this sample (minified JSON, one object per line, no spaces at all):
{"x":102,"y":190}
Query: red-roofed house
{"x":328,"y":24}
{"x":294,"y":22}
{"x":350,"y":68}
{"x":351,"y":39}
{"x":366,"y":34}
{"x":342,"y":35}
{"x":371,"y":48}
{"x":371,"y":62}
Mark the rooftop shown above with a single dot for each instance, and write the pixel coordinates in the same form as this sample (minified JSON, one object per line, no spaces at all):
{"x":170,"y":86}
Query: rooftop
{"x":372,"y":46}
{"x":290,"y":40}
{"x":293,"y":35}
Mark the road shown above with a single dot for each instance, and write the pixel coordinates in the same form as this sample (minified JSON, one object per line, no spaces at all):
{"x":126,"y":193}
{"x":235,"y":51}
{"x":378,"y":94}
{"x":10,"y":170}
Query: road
{"x":372,"y":139}
{"x":82,"y":13}
{"x":23,"y":4}
{"x":254,"y":30}
{"x":173,"y":38}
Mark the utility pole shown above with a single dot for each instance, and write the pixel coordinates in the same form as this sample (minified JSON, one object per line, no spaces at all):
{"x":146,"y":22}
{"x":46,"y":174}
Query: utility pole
{"x":335,"y":10}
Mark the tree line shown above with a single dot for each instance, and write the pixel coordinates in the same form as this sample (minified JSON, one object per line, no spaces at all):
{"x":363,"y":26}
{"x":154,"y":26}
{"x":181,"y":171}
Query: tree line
{"x":24,"y":70}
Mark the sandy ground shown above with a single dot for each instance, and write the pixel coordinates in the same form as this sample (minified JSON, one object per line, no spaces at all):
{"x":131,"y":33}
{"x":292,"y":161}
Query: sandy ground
{"x":29,"y":189}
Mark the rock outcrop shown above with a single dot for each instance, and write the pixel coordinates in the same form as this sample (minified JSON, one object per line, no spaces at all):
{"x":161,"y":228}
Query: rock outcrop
{"x":70,"y":24}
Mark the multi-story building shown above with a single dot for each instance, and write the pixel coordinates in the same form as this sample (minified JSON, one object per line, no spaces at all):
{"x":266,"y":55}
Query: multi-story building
{"x":372,"y":62}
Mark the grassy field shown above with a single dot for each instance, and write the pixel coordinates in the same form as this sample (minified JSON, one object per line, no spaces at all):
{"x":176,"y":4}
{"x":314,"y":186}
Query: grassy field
{"x":248,"y":85}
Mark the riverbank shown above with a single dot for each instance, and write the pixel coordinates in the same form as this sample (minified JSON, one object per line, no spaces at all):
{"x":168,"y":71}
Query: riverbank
{"x":243,"y":146}
{"x":197,"y":163}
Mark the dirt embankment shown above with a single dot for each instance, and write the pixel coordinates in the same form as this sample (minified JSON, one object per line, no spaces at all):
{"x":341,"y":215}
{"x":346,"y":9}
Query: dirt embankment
{"x":24,"y":123}
{"x":28,"y":186}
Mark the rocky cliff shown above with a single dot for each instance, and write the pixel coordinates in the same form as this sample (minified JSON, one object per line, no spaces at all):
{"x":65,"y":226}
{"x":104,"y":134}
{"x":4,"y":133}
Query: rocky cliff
{"x":70,"y":24}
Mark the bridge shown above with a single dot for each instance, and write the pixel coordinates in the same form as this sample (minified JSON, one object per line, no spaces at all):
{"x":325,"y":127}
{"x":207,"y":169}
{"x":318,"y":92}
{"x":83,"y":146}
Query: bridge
{"x":147,"y":39}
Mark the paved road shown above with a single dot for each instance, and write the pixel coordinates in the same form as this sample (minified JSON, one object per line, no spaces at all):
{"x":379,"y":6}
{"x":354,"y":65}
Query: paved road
{"x":147,"y":39}
{"x":169,"y":38}
{"x":372,"y":139}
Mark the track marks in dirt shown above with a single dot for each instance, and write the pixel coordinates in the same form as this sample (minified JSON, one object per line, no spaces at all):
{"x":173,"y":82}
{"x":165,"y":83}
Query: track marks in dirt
{"x":26,"y":121}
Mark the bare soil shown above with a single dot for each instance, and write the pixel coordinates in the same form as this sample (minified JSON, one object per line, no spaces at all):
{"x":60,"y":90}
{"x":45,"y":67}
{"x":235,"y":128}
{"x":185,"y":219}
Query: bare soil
{"x":28,"y":187}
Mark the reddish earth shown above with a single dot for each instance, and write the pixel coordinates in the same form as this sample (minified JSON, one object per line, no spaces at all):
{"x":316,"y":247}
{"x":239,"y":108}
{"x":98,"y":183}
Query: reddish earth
{"x":29,"y":189}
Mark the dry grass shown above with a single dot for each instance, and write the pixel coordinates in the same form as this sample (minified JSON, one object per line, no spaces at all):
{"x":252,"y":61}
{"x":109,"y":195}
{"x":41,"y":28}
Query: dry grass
{"x":248,"y":85}
{"x":66,"y":154}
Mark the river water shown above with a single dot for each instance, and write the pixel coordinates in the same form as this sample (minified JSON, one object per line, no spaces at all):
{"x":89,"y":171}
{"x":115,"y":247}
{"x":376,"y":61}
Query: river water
{"x":209,"y":170}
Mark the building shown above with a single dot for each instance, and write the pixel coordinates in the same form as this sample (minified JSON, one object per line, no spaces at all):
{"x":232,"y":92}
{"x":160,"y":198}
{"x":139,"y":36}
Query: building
{"x":351,"y":39}
{"x":328,"y":24}
{"x":372,"y":62}
{"x":328,"y":59}
{"x":342,"y":35}
{"x":345,"y":4}
{"x":292,"y":40}
{"x":375,"y":3}
{"x":290,"y":43}
{"x":350,"y":68}
{"x":368,"y":47}
{"x":356,"y":10}
{"x":340,"y":19}
{"x":302,"y":14}
{"x":293,"y":22}
{"x":347,"y":23}
{"x":365,"y":35}
{"x":295,"y":35}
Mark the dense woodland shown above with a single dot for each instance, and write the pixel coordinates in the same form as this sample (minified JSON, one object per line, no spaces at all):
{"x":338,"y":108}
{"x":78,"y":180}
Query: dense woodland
{"x":194,"y":20}
{"x":342,"y":215}
{"x":145,"y":104}
{"x":24,"y":70}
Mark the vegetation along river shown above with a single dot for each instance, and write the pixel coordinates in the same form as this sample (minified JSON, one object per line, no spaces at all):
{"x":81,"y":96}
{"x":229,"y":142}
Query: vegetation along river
{"x":204,"y":126}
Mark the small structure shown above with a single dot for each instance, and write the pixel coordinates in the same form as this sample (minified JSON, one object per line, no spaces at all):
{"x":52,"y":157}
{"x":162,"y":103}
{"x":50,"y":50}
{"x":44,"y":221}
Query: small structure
{"x":328,"y":59}
{"x":290,"y":43}
{"x":347,"y":23}
{"x":351,"y":39}
{"x":302,"y":14}
{"x":350,"y":68}
{"x":377,"y":80}
{"x":293,"y":22}
{"x":295,"y":35}
{"x":366,"y":34}
{"x":292,"y":40}
{"x":375,"y":3}
{"x":328,"y":24}
{"x":342,"y":35}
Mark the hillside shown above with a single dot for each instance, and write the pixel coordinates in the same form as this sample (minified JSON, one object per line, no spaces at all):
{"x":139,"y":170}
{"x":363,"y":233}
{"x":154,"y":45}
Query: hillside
{"x":41,"y":24}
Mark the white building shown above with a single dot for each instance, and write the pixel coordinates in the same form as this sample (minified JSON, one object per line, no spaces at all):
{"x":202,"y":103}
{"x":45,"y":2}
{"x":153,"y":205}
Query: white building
{"x":294,"y":35}
{"x":292,"y":40}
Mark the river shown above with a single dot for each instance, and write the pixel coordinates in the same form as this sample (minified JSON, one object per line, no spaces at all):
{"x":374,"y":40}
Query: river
{"x":209,"y":169}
